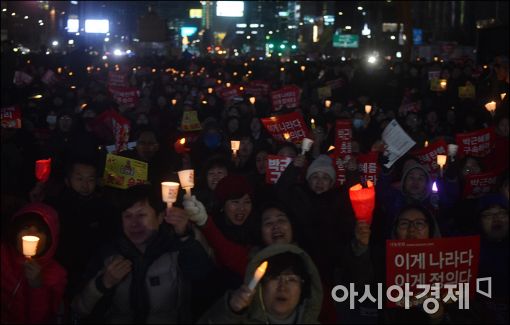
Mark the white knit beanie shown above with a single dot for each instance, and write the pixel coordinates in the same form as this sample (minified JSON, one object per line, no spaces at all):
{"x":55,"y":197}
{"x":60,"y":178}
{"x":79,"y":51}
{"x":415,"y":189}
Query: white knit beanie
{"x":322,"y":164}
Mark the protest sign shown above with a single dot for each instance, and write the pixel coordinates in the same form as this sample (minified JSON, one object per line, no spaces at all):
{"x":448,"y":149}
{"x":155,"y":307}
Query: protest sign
{"x":117,"y":79}
{"x":478,"y":143}
{"x":397,"y":142}
{"x":286,"y":97}
{"x":343,"y":137}
{"x":428,"y":155}
{"x":127,"y":96}
{"x":275,"y":166}
{"x":368,"y":167}
{"x":291,"y":124}
{"x":11,"y":117}
{"x":190,"y":121}
{"x":121,"y":172}
{"x":480,"y":184}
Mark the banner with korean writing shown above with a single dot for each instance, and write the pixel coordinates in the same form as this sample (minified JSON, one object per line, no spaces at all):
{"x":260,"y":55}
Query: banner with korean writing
{"x":291,"y":124}
{"x":11,"y":117}
{"x":275,"y":166}
{"x":190,"y":121}
{"x":22,"y":78}
{"x":229,"y":93}
{"x":343,"y":137}
{"x":127,"y":96}
{"x":338,"y":164}
{"x":368,"y":167}
{"x":478,"y":143}
{"x":117,"y":79}
{"x":111,"y":125}
{"x":121,"y":172}
{"x":428,"y":155}
{"x":428,"y":261}
{"x":480,"y":184}
{"x":334,"y":84}
{"x":324,"y":92}
{"x":258,"y":88}
{"x":286,"y":97}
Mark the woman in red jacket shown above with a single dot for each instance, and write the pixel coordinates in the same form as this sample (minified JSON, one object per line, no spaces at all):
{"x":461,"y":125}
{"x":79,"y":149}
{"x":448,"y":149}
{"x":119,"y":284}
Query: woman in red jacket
{"x":32,"y":288}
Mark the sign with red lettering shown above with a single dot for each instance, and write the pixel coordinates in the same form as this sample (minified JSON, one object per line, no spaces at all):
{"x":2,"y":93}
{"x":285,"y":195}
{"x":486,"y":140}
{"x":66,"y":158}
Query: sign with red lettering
{"x":275,"y":166}
{"x":117,"y":79}
{"x":343,"y":136}
{"x":117,"y":125}
{"x":291,"y":124}
{"x":478,"y":143}
{"x":258,"y":88}
{"x":429,"y":261}
{"x":428,"y":155}
{"x":480,"y":184}
{"x":228,"y":93}
{"x":338,"y":164}
{"x":125,"y":95}
{"x":368,"y":167}
{"x":287,"y":96}
{"x":11,"y":117}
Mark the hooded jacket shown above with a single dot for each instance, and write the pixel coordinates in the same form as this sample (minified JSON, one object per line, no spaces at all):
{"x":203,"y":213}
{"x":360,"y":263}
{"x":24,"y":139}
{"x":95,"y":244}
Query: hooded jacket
{"x":20,"y":302}
{"x":307,"y":311}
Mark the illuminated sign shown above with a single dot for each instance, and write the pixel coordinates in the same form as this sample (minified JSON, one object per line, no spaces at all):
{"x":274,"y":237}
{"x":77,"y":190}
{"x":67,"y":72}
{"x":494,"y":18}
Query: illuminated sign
{"x":99,"y":26}
{"x":188,"y":31}
{"x":195,"y":13}
{"x":73,"y":25}
{"x":230,"y":8}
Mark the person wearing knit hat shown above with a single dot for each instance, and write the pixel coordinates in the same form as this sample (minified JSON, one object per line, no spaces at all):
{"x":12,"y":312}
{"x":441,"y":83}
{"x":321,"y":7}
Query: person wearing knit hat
{"x":321,"y":174}
{"x":415,"y":181}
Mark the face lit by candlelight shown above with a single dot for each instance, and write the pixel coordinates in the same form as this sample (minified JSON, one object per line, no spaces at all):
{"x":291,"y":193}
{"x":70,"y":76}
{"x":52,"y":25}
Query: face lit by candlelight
{"x":237,"y":210}
{"x":495,"y":222}
{"x":140,"y":222}
{"x":276,"y":227}
{"x":82,"y":179}
{"x":320,"y":182}
{"x":412,"y":224}
{"x":281,"y":294}
{"x":415,"y":184}
{"x":214,"y":175}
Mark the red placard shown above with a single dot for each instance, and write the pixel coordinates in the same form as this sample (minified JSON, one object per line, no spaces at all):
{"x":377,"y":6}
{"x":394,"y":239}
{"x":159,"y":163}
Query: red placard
{"x":368,"y":167}
{"x":258,"y":88}
{"x":117,"y":125}
{"x":117,"y":79}
{"x":478,"y":143}
{"x":275,"y":166}
{"x":429,"y":261}
{"x":292,"y":124}
{"x":480,"y":184}
{"x":428,"y":155}
{"x":334,"y":84}
{"x":229,"y":93}
{"x":11,"y":117}
{"x":287,"y":96}
{"x":343,"y":137}
{"x":125,"y":95}
{"x":339,"y":169}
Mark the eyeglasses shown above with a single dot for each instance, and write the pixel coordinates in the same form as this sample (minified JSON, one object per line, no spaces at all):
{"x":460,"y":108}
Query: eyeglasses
{"x":404,"y":224}
{"x":291,"y":279}
{"x":492,"y":215}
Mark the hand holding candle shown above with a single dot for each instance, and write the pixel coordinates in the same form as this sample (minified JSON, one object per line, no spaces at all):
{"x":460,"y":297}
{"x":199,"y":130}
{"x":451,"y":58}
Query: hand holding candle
{"x":187,"y":180}
{"x":169,"y":192}
{"x":43,"y":169}
{"x":306,"y":145}
{"x":30,"y":245}
{"x":180,"y":146}
{"x":259,"y":273}
{"x":234,"y":145}
{"x":363,"y":201}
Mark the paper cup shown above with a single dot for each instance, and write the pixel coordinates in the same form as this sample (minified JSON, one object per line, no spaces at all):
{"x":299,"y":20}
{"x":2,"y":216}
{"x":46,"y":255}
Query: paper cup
{"x":43,"y":169}
{"x":30,"y":245}
{"x":452,"y":150}
{"x":441,"y":160}
{"x":169,"y":191}
{"x":187,"y":178}
{"x":306,"y":144}
{"x":234,"y":145}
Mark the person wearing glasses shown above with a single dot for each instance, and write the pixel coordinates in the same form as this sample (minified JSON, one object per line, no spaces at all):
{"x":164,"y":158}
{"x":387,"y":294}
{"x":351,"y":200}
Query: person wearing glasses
{"x":290,"y":291}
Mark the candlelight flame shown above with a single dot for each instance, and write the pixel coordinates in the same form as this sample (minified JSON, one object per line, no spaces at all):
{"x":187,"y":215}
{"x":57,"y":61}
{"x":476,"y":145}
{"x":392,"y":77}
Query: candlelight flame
{"x":327,"y":103}
{"x":36,"y":97}
{"x":426,"y":144}
{"x":227,"y":84}
{"x":502,"y":95}
{"x":83,"y":105}
{"x":331,"y":148}
{"x":491,"y":106}
{"x":261,"y":270}
{"x":286,"y":136}
{"x":303,"y":68}
{"x":252,"y":100}
{"x":209,"y":90}
{"x":434,"y":187}
{"x":182,"y":141}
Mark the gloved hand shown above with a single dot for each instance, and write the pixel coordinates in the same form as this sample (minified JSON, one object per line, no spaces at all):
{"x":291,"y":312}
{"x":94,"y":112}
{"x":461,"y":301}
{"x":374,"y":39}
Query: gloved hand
{"x":196,"y":210}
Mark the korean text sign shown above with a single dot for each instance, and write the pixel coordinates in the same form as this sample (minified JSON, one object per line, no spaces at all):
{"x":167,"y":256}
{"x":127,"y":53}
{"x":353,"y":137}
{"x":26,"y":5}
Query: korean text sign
{"x":287,"y":96}
{"x":275,"y":166}
{"x":121,"y":172}
{"x":292,"y":124}
{"x":428,"y":261}
{"x":478,"y":143}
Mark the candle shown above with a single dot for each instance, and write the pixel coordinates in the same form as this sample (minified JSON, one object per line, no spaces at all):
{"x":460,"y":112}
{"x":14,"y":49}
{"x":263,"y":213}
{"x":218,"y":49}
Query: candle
{"x":209,"y":90}
{"x":174,"y":101}
{"x":363,"y":201}
{"x":426,"y":144}
{"x":502,"y":95}
{"x":169,"y":191}
{"x":186,"y":178}
{"x":43,"y":169}
{"x":259,"y":273}
{"x":331,"y":148}
{"x":286,"y":136}
{"x":234,"y":145}
{"x":491,"y":107}
{"x":368,"y":109}
{"x":452,"y":150}
{"x":442,"y":84}
{"x":241,"y":88}
{"x":180,"y":147}
{"x":252,"y":100}
{"x":227,"y":84}
{"x":434,"y":188}
{"x":327,"y":103}
{"x":303,"y":68}
{"x":282,"y":69}
{"x":306,"y":145}
{"x":30,"y":245}
{"x":312,"y":122}
{"x":441,"y":161}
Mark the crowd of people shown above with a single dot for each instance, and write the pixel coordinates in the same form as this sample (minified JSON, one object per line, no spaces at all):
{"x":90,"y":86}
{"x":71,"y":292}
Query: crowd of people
{"x":110,"y":255}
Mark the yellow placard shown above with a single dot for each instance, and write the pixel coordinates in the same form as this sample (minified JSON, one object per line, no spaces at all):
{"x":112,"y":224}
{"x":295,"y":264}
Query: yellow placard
{"x":190,"y":121}
{"x":324,"y":92}
{"x":121,"y":172}
{"x":467,"y":91}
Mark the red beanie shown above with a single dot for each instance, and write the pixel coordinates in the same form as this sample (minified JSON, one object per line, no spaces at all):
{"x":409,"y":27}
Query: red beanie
{"x":232,"y":187}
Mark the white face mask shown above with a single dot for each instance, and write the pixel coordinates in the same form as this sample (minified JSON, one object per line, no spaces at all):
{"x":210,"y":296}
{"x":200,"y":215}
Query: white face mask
{"x":51,"y":119}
